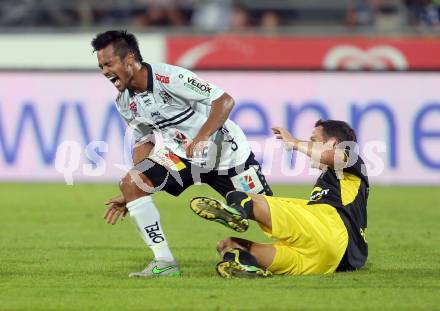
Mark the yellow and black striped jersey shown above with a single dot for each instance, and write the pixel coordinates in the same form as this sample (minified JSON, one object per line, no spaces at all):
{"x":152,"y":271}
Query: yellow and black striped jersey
{"x":347,"y":191}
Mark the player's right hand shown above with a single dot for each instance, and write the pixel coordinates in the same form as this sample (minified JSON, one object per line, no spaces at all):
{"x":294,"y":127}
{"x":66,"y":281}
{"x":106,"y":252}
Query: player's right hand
{"x":282,"y":134}
{"x":116,"y":209}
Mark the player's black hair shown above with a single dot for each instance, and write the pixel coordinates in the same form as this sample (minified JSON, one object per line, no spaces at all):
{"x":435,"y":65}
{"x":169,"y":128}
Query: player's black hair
{"x":122,"y":41}
{"x":337,"y":129}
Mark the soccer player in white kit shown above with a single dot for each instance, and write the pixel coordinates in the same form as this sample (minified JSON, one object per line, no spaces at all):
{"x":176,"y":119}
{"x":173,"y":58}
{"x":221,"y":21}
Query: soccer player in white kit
{"x":200,"y":143}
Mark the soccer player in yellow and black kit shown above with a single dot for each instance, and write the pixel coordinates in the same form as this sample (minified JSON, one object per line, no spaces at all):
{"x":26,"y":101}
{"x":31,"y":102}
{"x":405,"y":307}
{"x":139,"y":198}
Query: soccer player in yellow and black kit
{"x":321,"y":235}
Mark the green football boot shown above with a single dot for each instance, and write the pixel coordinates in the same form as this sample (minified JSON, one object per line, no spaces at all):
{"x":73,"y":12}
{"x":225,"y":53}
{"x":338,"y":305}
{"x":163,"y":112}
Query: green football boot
{"x":233,"y":267}
{"x":215,"y":210}
{"x":158,"y":268}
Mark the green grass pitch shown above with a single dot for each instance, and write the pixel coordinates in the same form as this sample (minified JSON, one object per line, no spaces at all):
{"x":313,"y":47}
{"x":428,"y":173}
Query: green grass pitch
{"x":56,"y":253}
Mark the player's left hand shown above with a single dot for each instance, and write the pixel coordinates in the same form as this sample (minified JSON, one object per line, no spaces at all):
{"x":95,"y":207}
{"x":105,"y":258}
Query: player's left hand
{"x":284,"y":135}
{"x":116,"y":209}
{"x":196,"y":146}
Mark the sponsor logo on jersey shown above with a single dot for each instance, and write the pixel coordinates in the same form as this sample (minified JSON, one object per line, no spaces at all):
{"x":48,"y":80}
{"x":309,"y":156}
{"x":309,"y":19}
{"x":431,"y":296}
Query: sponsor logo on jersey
{"x":181,"y":139}
{"x":229,"y":138}
{"x":317,"y":193}
{"x":165,"y":96}
{"x":198,"y":86}
{"x":162,"y":79}
{"x":155,"y":114}
{"x":147,"y":101}
{"x":247,"y":182}
{"x":133,"y":107}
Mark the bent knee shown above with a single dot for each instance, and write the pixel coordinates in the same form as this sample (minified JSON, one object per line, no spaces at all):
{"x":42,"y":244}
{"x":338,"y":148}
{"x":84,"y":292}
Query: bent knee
{"x":135,"y":181}
{"x":126,"y":183}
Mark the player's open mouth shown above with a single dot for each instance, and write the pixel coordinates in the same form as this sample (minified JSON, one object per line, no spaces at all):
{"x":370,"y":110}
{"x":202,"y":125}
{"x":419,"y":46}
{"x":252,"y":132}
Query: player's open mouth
{"x":115,"y":80}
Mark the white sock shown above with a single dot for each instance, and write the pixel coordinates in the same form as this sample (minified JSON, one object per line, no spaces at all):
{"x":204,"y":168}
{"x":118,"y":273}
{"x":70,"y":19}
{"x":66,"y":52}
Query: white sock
{"x":146,"y":217}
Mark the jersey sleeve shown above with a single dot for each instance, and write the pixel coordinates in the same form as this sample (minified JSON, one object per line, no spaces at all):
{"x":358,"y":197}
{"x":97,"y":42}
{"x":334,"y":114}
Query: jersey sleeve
{"x":188,"y":86}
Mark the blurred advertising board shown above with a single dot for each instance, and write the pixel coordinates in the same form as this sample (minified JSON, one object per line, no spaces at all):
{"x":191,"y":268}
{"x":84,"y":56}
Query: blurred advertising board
{"x":62,"y":51}
{"x":396,"y":116}
{"x":311,"y":53}
{"x":73,"y":51}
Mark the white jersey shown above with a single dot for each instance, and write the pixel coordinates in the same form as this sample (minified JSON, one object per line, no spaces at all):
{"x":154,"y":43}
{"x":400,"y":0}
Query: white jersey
{"x":176,"y":104}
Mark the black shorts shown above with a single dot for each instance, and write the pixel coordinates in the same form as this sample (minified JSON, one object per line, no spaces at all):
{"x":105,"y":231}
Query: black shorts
{"x":174,"y":174}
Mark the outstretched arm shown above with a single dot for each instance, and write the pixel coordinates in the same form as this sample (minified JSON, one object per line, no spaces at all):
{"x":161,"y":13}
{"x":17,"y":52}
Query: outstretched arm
{"x":323,"y":153}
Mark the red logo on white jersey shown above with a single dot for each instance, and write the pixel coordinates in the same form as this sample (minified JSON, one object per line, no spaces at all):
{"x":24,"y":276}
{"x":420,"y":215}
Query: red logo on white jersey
{"x":132,"y":106}
{"x":181,"y":139}
{"x":379,"y":57}
{"x":162,"y":79}
{"x":250,"y":182}
{"x":247,"y":182}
